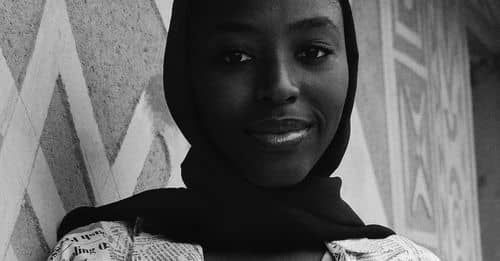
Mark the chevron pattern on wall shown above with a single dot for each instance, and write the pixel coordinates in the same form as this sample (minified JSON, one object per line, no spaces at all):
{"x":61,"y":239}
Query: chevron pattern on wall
{"x":54,"y":138}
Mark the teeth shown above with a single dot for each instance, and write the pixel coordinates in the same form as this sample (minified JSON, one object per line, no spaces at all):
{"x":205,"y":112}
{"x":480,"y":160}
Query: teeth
{"x":279,"y":138}
{"x":285,"y":138}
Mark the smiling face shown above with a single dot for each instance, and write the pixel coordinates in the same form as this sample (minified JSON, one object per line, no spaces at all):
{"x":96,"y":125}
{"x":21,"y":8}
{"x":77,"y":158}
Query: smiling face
{"x":270,"y":78}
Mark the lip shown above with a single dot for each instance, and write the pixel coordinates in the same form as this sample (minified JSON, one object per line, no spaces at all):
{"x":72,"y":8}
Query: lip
{"x":279,"y":125}
{"x":280,"y":134}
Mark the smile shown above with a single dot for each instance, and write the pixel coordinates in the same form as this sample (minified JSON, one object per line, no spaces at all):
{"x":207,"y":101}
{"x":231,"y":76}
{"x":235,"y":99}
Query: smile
{"x":280,"y":134}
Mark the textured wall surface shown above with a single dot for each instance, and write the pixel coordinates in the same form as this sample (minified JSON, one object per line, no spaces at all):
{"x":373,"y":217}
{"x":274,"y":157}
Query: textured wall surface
{"x":429,"y":112}
{"x":83,"y":119}
{"x":82,"y":114}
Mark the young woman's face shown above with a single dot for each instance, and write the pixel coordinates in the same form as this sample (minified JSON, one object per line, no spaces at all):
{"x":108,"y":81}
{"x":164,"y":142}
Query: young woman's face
{"x":270,"y":79}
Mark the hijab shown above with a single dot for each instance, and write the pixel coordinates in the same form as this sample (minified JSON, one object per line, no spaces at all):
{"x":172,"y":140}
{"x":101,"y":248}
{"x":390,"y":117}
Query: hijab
{"x":221,"y":210}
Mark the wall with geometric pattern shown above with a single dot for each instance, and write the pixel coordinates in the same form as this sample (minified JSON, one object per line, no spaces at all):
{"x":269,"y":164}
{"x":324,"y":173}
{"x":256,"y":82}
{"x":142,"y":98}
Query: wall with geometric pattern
{"x":83,"y":119}
{"x":427,"y":76}
{"x":82,"y":115}
{"x":415,"y":112}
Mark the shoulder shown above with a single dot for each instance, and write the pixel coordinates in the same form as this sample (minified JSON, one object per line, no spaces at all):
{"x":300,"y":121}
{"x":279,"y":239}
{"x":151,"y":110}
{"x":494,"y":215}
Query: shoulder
{"x":92,"y":242}
{"x":117,"y":241}
{"x":394,"y":247}
{"x":113,"y":241}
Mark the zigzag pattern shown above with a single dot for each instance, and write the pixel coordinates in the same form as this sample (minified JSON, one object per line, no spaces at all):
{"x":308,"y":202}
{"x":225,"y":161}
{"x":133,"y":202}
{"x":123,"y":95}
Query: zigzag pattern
{"x":30,"y":201}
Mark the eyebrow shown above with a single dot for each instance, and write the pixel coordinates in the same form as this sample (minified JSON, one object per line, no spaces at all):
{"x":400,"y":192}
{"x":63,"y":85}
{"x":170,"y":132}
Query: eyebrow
{"x":305,"y":24}
{"x":315,"y":22}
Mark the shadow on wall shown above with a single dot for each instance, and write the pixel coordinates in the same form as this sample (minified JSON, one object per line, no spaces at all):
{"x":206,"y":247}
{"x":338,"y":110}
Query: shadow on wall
{"x":486,"y":100}
{"x":157,"y":166}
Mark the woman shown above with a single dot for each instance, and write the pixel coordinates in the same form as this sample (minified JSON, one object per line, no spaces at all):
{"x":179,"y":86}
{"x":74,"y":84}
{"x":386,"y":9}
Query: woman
{"x":263,"y":90}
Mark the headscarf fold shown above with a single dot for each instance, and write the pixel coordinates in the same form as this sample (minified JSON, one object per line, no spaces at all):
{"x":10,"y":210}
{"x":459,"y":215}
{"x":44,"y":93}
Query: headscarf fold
{"x":221,"y":210}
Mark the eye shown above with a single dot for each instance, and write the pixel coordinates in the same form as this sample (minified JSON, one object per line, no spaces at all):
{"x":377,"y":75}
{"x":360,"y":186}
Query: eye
{"x":236,"y":57}
{"x":313,"y":54}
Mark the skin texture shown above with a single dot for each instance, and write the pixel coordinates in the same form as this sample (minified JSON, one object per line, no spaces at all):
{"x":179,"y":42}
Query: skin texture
{"x":263,"y":67}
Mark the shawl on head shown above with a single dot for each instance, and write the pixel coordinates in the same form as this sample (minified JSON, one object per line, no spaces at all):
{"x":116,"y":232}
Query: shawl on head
{"x":221,"y":210}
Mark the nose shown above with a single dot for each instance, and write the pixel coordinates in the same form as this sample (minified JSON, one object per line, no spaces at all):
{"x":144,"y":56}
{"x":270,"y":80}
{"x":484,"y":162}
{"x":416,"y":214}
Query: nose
{"x":278,"y":86}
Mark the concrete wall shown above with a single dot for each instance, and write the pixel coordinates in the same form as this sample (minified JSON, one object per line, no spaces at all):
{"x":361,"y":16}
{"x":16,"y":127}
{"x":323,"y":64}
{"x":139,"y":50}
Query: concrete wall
{"x":83,"y":122}
{"x":82,"y":114}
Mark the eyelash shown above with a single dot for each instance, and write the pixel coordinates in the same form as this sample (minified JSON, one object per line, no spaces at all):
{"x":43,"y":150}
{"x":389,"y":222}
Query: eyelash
{"x":226,"y":57}
{"x":301,"y":55}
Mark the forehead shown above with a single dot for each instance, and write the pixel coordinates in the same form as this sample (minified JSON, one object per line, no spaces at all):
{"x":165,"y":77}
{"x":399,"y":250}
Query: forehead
{"x":263,"y":12}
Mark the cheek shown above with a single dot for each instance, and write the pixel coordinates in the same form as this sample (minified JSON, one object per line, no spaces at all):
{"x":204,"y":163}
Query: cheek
{"x":329,"y":97}
{"x":221,"y":100}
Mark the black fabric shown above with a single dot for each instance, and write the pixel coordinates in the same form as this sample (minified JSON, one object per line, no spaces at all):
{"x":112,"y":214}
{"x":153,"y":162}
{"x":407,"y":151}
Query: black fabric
{"x":219,"y":209}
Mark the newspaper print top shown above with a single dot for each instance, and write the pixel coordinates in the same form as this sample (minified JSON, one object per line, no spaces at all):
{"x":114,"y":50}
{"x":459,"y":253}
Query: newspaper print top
{"x":112,"y":241}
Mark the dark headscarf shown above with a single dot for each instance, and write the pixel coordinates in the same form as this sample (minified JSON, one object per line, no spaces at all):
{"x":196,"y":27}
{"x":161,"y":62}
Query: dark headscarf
{"x":221,"y":210}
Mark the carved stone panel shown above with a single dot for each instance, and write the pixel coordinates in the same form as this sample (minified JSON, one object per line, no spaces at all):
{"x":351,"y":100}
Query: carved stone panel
{"x":429,"y":124}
